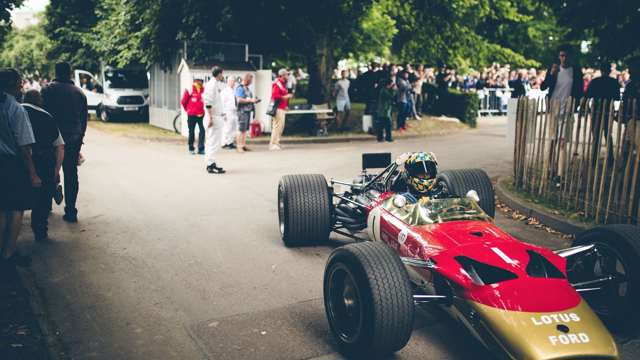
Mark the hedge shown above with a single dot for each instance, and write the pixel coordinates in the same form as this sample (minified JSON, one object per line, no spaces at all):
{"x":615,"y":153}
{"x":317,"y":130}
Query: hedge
{"x":461,"y":105}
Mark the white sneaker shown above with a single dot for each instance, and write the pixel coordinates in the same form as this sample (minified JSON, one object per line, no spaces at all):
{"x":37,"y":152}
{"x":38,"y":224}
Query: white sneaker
{"x":275,"y":147}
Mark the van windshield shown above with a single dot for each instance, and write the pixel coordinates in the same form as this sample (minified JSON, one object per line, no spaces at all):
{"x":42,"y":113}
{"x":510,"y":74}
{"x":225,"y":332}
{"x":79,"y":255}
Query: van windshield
{"x":126,"y":79}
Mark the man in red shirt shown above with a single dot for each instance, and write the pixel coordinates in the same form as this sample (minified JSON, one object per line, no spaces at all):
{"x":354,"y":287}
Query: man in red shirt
{"x":280,"y":94}
{"x":194,"y":106}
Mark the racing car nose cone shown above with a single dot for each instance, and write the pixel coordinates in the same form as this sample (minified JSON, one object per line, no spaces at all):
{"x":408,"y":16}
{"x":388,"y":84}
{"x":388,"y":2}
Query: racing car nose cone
{"x":573,"y":333}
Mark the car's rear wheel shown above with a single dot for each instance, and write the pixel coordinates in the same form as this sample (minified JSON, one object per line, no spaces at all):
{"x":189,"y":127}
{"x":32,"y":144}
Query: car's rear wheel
{"x":304,"y":209}
{"x":368,"y":300}
{"x":459,"y":182}
{"x":615,"y":259}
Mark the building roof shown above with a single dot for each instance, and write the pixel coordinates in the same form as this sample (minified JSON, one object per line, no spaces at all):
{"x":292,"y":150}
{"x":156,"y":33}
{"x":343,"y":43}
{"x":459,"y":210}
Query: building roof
{"x":207,"y":65}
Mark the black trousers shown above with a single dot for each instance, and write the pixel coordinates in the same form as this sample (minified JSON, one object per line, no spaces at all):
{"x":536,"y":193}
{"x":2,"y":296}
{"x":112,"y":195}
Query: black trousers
{"x":404,"y":110}
{"x":596,"y":127}
{"x":45,"y":167}
{"x":383,"y":127}
{"x":192,"y":121}
{"x":70,"y":169}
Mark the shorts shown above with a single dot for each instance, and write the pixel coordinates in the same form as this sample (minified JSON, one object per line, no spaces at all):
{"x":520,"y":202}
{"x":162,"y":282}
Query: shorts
{"x":16,"y":193}
{"x":343,"y":105}
{"x":244,"y":120}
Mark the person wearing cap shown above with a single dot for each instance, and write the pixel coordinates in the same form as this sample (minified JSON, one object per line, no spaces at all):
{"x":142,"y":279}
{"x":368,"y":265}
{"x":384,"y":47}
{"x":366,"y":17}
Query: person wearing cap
{"x":194,"y":106}
{"x":280,"y":95}
{"x":18,"y":174}
{"x":214,"y":119}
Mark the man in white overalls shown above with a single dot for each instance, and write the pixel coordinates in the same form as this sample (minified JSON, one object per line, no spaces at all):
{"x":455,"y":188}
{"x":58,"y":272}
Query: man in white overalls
{"x":214,"y":119}
{"x":229,"y":107}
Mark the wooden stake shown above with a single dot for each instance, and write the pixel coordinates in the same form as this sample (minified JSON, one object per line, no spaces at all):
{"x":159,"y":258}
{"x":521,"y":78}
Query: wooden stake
{"x":603,"y":173}
{"x":616,"y":159}
{"x":634,"y":143}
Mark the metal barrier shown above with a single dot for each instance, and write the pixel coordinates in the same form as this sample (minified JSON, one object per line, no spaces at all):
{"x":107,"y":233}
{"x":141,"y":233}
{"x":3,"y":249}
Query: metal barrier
{"x":493,"y":101}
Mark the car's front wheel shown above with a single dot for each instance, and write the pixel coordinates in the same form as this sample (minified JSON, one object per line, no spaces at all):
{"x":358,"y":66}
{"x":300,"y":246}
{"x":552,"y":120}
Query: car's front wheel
{"x":609,"y":274}
{"x":368,"y":300}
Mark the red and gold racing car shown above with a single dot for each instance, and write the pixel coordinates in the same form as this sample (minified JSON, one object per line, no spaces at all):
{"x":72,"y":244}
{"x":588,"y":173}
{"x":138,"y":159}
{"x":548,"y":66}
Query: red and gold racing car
{"x":521,"y":301}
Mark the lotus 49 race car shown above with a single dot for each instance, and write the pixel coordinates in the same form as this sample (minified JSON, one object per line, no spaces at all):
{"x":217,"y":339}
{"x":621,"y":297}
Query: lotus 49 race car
{"x":521,"y":301}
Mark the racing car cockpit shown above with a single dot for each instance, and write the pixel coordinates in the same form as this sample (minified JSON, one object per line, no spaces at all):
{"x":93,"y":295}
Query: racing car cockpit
{"x":427,"y":210}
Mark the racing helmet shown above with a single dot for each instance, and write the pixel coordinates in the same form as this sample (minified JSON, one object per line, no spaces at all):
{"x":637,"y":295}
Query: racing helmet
{"x":421,"y":169}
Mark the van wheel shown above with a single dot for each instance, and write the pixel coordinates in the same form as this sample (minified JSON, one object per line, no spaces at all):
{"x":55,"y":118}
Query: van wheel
{"x":104,"y":114}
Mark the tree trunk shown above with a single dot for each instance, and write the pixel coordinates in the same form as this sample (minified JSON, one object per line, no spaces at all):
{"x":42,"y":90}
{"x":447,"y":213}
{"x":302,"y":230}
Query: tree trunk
{"x":320,"y":65}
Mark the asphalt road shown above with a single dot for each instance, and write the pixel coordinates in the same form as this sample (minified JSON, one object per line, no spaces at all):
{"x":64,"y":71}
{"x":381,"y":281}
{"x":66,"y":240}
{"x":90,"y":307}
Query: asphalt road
{"x":169,"y":262}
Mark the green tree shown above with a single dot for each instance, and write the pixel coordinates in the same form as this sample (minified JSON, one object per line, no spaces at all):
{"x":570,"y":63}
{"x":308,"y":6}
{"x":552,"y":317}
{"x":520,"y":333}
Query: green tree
{"x":375,"y":33}
{"x":26,"y":49}
{"x":5,"y":16}
{"x":612,"y":27}
{"x":460,"y":32}
{"x":119,"y":32}
{"x":316,"y":32}
{"x":68,"y":25}
{"x":320,"y":32}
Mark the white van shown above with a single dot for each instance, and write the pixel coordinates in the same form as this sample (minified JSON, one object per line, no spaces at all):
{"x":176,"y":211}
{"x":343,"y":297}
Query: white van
{"x":116,"y":92}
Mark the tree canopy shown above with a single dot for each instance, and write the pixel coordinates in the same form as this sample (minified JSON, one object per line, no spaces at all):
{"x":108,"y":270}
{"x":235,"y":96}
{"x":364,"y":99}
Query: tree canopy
{"x":68,"y":24}
{"x":612,"y":27}
{"x":26,"y":49}
{"x":5,"y":16}
{"x":315,"y":34}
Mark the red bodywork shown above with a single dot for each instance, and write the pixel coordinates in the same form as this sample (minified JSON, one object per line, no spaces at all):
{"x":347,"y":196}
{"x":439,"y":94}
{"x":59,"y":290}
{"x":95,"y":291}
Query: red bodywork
{"x":482,"y":241}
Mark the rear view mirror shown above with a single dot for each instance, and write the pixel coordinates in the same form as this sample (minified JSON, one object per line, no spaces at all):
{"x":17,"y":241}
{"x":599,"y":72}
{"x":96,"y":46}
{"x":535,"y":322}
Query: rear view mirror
{"x":473,"y":195}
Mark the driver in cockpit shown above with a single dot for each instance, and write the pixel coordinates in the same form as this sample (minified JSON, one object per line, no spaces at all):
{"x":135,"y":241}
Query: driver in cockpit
{"x":419,"y":175}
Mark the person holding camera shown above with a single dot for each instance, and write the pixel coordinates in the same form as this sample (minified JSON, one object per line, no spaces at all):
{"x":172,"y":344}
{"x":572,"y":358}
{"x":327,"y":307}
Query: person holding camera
{"x":279,"y":96}
{"x":246,"y":106}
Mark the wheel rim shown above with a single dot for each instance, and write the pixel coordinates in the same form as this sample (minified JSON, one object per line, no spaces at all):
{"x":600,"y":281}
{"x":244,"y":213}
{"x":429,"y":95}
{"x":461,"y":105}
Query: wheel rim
{"x":281,"y":210}
{"x":103,"y":115}
{"x":344,"y":303}
{"x":614,"y":296}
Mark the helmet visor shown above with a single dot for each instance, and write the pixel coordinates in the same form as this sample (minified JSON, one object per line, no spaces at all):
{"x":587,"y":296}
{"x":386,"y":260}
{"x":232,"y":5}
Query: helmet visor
{"x":422,"y":169}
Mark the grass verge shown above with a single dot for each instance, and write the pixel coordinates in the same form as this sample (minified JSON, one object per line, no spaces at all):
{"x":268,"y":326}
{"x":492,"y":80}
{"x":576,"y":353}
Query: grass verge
{"x":543,"y":204}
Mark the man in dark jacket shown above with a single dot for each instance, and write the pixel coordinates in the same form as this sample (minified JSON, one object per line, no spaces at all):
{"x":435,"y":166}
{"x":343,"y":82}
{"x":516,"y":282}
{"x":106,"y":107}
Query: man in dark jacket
{"x":564,"y":80}
{"x":68,"y":106}
{"x":603,"y":90}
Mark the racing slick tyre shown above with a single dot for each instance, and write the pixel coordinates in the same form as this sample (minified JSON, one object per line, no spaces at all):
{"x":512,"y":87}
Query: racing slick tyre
{"x":459,"y":182}
{"x":616,"y":258}
{"x":368,"y":300}
{"x":304,"y":209}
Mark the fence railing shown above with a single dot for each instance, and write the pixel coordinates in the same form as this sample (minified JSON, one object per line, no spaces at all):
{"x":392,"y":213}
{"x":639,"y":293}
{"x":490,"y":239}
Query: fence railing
{"x":493,"y":101}
{"x":582,"y":155}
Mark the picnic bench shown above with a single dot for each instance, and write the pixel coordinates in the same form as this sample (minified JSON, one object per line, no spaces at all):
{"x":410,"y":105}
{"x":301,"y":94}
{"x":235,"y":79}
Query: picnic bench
{"x":322,"y":112}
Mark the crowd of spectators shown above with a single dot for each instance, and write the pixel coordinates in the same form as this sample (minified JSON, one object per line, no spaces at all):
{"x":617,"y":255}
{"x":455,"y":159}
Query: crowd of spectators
{"x":498,"y":76}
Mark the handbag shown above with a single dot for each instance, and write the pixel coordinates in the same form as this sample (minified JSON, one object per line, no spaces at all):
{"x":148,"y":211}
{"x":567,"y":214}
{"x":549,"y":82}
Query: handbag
{"x":273,"y":107}
{"x":255,"y":129}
